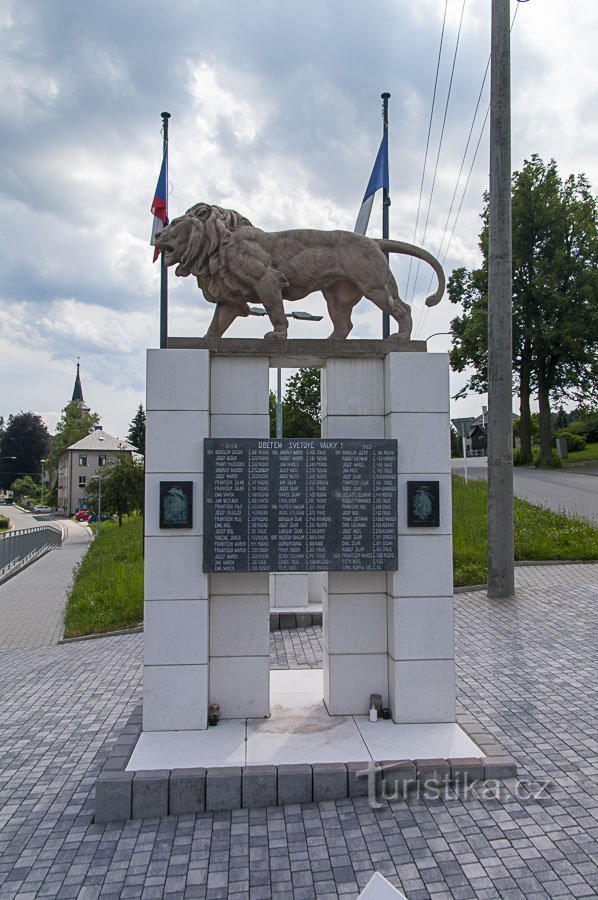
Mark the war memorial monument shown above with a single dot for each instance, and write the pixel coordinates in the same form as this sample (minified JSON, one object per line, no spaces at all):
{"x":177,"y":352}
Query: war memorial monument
{"x":368,"y":505}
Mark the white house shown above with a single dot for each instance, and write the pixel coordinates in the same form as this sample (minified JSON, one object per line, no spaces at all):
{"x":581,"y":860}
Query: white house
{"x":81,"y":462}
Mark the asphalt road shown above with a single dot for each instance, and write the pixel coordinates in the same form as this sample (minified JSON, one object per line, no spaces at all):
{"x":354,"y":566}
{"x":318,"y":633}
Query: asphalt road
{"x":571,"y":491}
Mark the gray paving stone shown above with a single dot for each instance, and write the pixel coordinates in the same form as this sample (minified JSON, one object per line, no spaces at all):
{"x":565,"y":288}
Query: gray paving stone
{"x":360,"y":775}
{"x":329,"y":781}
{"x":150,"y":794}
{"x":295,"y":784}
{"x":63,"y":707}
{"x":113,"y":796}
{"x":223,"y":788}
{"x":187,"y":791}
{"x":259,"y":786}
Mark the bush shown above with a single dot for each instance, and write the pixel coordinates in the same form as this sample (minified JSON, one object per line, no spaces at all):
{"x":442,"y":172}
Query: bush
{"x":574,"y":441}
{"x":555,"y":459}
{"x":587,"y":426}
{"x":4,"y":523}
{"x":517,"y":459}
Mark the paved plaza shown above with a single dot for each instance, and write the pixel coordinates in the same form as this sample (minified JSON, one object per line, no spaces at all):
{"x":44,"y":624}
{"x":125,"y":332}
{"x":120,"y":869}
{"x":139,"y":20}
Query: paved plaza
{"x":527,"y":672}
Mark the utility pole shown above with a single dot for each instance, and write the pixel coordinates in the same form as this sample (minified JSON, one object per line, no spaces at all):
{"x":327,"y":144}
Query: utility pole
{"x":501,"y":572}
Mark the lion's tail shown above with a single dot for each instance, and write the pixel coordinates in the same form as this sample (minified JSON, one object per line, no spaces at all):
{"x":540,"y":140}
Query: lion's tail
{"x":412,"y":250}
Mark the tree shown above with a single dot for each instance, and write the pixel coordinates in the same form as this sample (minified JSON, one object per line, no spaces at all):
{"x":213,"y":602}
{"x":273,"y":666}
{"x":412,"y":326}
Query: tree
{"x":555,"y":297}
{"x":121,"y":486}
{"x":136,"y":434}
{"x":76,"y":422}
{"x":300,"y":405}
{"x":26,"y":438}
{"x":25,"y":487}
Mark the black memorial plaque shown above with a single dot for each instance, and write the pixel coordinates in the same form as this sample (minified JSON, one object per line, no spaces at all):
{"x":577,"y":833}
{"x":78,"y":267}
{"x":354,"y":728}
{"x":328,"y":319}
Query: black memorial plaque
{"x":299,"y":505}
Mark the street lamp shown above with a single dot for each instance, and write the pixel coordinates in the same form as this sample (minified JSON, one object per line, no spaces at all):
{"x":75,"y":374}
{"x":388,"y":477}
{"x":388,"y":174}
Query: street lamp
{"x":296,"y":314}
{"x":43,"y":461}
{"x":99,"y":519}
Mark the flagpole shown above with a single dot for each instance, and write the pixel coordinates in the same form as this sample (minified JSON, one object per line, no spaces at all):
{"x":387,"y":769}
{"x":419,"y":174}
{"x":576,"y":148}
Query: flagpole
{"x":385,"y":206}
{"x":163,"y":267}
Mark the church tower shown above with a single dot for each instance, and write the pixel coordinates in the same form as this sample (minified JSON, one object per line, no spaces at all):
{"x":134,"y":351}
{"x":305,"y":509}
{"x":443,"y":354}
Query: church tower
{"x":78,"y":391}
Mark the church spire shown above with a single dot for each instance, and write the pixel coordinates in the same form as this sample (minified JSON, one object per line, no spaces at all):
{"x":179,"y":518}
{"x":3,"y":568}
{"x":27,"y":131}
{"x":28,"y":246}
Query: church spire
{"x":77,"y":390}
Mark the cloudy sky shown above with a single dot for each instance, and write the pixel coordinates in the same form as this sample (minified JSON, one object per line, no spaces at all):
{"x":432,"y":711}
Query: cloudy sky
{"x":276,"y":112}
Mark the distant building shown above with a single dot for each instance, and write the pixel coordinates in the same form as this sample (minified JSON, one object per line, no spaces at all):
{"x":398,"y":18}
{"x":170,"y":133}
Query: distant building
{"x":475,"y":433}
{"x":81,"y":462}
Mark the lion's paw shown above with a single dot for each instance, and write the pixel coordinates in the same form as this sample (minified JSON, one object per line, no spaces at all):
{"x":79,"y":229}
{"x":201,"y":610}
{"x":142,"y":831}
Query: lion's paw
{"x":276,"y":334}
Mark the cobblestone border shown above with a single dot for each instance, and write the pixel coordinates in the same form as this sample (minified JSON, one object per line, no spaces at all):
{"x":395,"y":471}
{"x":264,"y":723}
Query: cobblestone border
{"x":150,"y":794}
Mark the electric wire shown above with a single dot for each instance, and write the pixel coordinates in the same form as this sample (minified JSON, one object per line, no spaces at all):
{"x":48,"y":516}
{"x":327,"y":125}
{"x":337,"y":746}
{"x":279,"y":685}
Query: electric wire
{"x":421,"y":187}
{"x":446,"y":106}
{"x":424,"y":308}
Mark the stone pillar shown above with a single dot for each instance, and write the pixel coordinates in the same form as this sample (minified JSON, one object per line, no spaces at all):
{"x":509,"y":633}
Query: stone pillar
{"x":421,"y":669}
{"x":175,"y":679}
{"x":239,"y":602}
{"x":354,"y":603}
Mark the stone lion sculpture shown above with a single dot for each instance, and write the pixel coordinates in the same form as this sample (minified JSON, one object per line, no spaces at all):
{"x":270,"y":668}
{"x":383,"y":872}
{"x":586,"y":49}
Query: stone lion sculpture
{"x":237,"y":264}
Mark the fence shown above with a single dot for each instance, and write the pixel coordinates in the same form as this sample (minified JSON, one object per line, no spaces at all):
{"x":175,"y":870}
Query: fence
{"x":20,"y":547}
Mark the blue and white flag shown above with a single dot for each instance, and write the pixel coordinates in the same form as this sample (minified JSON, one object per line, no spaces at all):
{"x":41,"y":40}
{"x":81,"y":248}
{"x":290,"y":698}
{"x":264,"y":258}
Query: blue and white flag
{"x":378,"y":179}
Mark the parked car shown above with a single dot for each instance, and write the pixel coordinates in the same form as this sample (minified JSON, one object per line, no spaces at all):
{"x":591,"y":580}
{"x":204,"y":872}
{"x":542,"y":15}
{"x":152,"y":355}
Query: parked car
{"x":83,"y":515}
{"x":42,"y":509}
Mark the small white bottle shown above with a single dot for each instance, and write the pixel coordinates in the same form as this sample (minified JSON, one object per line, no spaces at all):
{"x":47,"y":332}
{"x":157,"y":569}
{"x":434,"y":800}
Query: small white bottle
{"x":373,"y":714}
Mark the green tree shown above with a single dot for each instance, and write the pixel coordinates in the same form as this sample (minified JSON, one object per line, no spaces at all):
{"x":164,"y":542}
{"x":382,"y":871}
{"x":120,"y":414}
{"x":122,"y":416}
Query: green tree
{"x":300,"y":405}
{"x":121,"y":486}
{"x":26,"y":438}
{"x":25,"y":487}
{"x":75,"y":423}
{"x":555,"y":297}
{"x":136,"y":433}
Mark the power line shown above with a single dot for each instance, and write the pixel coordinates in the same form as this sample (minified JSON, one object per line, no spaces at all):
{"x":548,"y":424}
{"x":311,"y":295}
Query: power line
{"x":421,"y":187}
{"x":448,"y":97}
{"x":424,"y":309}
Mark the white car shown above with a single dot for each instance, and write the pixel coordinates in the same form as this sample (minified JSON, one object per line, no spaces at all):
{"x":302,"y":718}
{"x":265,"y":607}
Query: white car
{"x":42,"y":509}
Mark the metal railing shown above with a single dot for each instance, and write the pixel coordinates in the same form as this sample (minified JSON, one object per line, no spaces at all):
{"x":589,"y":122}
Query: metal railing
{"x":19,"y":547}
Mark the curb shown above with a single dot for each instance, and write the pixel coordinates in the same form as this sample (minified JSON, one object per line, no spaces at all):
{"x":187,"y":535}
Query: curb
{"x":121,"y":795}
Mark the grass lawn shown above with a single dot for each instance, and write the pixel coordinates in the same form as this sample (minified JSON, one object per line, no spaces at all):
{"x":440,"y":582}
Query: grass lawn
{"x":107,"y":591}
{"x":539,"y":533}
{"x":588,"y":455}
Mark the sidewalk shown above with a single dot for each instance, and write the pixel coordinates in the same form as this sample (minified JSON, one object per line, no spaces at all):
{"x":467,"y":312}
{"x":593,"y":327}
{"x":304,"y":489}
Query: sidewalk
{"x":527,"y":671}
{"x":32,"y":601}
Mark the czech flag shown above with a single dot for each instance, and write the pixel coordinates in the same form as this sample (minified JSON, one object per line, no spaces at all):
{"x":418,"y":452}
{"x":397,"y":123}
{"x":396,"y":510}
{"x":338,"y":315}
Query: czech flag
{"x":159,"y":205}
{"x":378,"y":179}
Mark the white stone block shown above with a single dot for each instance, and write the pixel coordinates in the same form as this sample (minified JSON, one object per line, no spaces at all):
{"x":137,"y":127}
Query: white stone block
{"x":416,"y":382}
{"x":178,"y":379}
{"x":240,"y":426}
{"x":353,"y":387}
{"x":353,"y":427}
{"x":174,"y":441}
{"x":288,"y":589}
{"x":173,"y":568}
{"x":152,"y":504}
{"x":422,"y":690}
{"x":445,"y":498}
{"x":355,"y":623}
{"x":239,"y":625}
{"x":175,"y":632}
{"x":239,"y":583}
{"x":241,"y":686}
{"x":421,"y":628}
{"x":425,"y":567}
{"x":239,"y":385}
{"x":356,"y":583}
{"x":175,"y":698}
{"x":316,"y":583}
{"x":424,"y":441}
{"x":349,"y":679}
